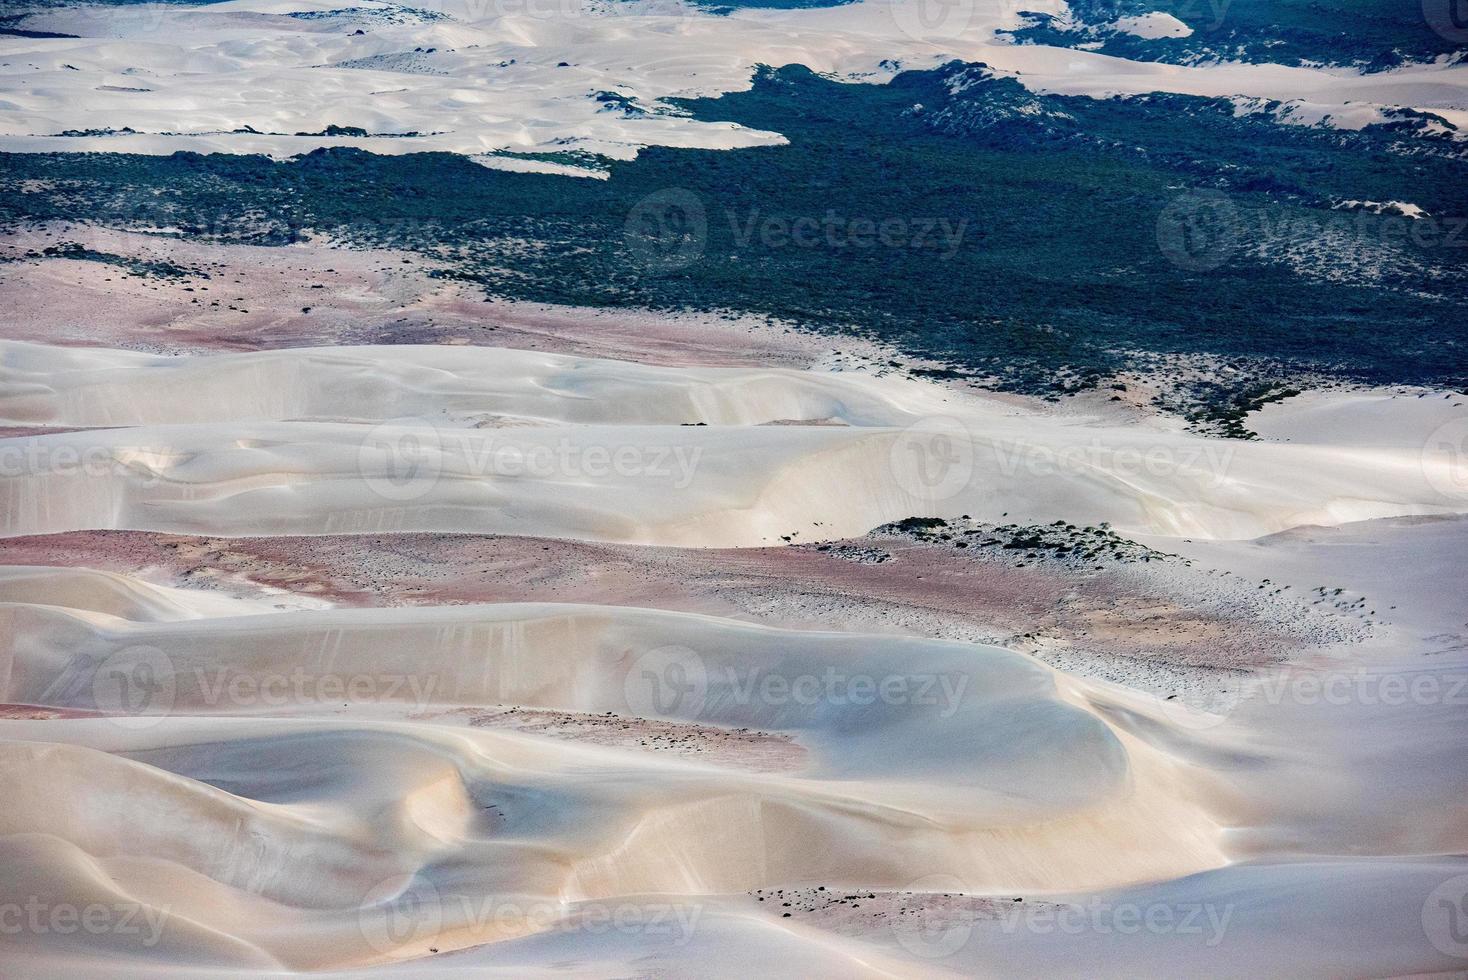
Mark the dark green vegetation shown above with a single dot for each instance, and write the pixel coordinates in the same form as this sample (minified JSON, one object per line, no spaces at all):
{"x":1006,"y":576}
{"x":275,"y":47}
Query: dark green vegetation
{"x":1041,"y":242}
{"x":6,"y":31}
{"x":144,"y":268}
{"x":1025,"y":543}
{"x":1227,"y":407}
{"x":1373,"y":35}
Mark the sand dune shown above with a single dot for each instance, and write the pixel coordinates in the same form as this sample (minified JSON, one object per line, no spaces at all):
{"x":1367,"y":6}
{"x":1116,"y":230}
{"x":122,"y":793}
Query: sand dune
{"x":489,"y":440}
{"x":469,"y":78}
{"x":1408,"y":419}
{"x":593,"y":659}
{"x":83,"y":591}
{"x":1242,"y":921}
{"x":716,"y":486}
{"x":81,"y":387}
{"x":280,"y":827}
{"x":239,"y":781}
{"x":282,"y":830}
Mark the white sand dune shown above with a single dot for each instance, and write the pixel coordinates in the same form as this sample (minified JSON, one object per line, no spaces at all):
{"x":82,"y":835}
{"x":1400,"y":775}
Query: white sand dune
{"x":276,"y":834}
{"x":1362,"y":917}
{"x":1244,"y":921}
{"x":712,"y":486}
{"x":591,"y":659}
{"x":106,"y":595}
{"x":262,"y":820}
{"x":83,"y":387}
{"x":273,"y":833}
{"x":1406,"y":419}
{"x":244,"y":787}
{"x":489,"y":440}
{"x":463,"y":77}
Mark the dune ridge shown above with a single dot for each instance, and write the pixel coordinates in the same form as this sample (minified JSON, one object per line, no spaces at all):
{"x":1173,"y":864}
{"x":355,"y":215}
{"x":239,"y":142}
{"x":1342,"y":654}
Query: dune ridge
{"x":712,"y":486}
{"x":270,"y":783}
{"x":89,"y":387}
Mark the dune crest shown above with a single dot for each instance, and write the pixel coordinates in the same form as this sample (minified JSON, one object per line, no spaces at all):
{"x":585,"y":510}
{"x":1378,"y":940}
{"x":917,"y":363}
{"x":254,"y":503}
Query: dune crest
{"x":712,"y":486}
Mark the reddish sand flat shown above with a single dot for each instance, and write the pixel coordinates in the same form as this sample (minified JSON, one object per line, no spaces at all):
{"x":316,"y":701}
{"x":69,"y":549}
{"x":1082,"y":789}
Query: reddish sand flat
{"x":743,"y":748}
{"x":243,"y":297}
{"x":1164,"y":611}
